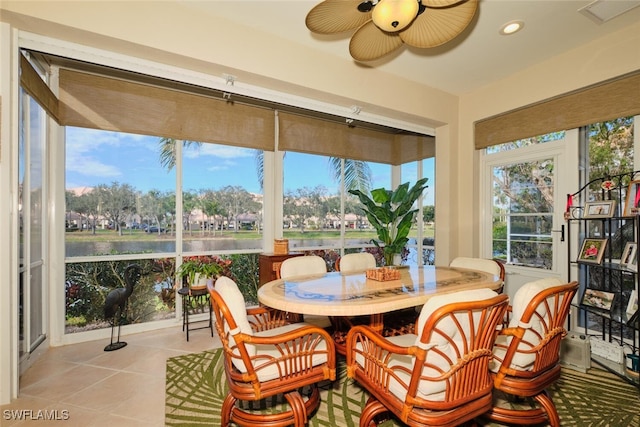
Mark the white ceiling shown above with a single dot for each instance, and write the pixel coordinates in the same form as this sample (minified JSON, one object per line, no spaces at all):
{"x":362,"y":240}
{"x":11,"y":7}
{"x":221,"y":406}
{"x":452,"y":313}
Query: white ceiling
{"x":478,"y":57}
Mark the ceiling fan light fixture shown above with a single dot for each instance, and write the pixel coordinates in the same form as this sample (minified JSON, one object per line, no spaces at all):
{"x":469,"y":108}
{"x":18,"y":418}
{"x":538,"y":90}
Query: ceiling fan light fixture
{"x":394,"y":15}
{"x":511,"y":27}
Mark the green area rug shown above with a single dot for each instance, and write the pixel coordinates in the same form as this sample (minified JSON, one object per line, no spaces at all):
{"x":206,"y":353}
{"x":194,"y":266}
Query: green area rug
{"x":196,"y":387}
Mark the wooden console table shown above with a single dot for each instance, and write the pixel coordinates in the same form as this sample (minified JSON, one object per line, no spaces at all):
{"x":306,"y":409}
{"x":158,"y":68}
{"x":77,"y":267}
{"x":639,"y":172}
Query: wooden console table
{"x":269,"y":264}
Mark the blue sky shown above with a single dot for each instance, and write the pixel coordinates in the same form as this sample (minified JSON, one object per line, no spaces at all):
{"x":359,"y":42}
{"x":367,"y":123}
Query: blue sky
{"x":101,"y":157}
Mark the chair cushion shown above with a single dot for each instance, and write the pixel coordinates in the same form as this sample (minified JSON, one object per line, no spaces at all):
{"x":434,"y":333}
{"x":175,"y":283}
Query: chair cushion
{"x":273,"y":371}
{"x":487,"y":265}
{"x":234,"y":300}
{"x":360,"y":261}
{"x":427,"y":389}
{"x":521,"y":300}
{"x":440,"y":300}
{"x":302,"y":266}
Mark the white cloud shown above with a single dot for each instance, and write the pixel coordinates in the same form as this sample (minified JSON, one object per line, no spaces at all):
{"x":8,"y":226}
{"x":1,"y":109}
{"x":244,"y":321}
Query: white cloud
{"x":91,"y":167}
{"x":225,"y":152}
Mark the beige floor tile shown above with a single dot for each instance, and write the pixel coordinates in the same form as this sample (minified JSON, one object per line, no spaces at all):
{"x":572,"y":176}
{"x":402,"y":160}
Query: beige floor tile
{"x":148,"y":404}
{"x":44,"y":367}
{"x":58,"y":386}
{"x":95,"y":388}
{"x":106,"y":394}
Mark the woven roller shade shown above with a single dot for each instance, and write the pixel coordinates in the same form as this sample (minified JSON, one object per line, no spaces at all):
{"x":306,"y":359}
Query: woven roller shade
{"x":619,"y":97}
{"x":36,"y":87}
{"x":316,"y":136}
{"x":93,"y":101}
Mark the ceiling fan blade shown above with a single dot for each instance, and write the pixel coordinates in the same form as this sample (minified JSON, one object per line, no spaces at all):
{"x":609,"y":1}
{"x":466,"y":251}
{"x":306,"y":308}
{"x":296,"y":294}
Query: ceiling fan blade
{"x":370,"y":42}
{"x":436,"y":26}
{"x":336,"y":16}
{"x":440,"y":3}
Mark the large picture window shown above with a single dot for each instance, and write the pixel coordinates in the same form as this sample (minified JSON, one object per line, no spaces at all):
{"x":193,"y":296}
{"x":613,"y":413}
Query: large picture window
{"x":160,"y":171}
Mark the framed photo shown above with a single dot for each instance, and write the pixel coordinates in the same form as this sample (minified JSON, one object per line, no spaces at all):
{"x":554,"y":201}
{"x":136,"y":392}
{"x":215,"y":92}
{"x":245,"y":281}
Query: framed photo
{"x":628,"y":254}
{"x":633,"y":263}
{"x":632,"y":200}
{"x":598,"y":299}
{"x":592,"y":250}
{"x":632,"y":306}
{"x":603,"y":209}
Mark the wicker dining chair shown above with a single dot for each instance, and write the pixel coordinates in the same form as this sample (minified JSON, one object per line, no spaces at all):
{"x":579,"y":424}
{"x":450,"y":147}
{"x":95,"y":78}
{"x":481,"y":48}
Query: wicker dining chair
{"x":527,"y":352}
{"x":491,"y":266}
{"x":301,"y":266}
{"x":304,"y":266}
{"x":357,"y":261}
{"x":265,"y":357}
{"x":439,"y":376}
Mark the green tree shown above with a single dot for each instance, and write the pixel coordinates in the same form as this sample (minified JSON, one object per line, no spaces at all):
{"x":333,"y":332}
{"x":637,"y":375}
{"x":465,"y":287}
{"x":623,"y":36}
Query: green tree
{"x":115,"y":202}
{"x":235,"y":200}
{"x":610,"y":148}
{"x":428,"y":213}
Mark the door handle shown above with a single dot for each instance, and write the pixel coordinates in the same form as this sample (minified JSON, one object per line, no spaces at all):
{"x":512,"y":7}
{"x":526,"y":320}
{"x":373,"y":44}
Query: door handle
{"x":561,"y":231}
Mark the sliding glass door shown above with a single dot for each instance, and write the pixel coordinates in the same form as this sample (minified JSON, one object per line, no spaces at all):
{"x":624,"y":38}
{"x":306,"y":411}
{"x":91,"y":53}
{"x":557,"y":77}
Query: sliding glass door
{"x":32,"y":224}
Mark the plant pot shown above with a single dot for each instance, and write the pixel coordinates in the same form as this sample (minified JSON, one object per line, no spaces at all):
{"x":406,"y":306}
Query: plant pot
{"x":200,"y":282}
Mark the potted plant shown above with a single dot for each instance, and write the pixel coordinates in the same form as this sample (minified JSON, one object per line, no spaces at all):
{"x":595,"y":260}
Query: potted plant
{"x":199,"y":270}
{"x":392,"y":214}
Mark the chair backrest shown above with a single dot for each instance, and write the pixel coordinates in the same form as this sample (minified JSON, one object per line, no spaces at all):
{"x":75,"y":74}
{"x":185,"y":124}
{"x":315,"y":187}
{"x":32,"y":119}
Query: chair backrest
{"x":359,"y":261}
{"x":458,"y":332}
{"x":302,"y":266}
{"x":231,"y":319}
{"x":536,"y":327}
{"x":490,"y":266}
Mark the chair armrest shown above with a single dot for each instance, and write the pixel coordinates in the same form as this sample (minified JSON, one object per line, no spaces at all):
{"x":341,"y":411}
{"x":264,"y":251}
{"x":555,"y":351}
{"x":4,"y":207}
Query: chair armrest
{"x":263,"y":318}
{"x":365,"y":340}
{"x":289,"y":336}
{"x":286,"y":355}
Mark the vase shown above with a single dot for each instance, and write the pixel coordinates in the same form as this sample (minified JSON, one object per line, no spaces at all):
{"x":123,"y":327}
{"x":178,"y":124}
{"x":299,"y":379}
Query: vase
{"x":199,"y":282}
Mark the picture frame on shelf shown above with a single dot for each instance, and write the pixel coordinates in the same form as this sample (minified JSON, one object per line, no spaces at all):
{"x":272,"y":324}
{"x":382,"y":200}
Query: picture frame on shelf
{"x":592,"y":250}
{"x":598,"y":299}
{"x":633,"y":264}
{"x":601,"y":209}
{"x":628,"y":254}
{"x":632,"y":305}
{"x":632,"y":199}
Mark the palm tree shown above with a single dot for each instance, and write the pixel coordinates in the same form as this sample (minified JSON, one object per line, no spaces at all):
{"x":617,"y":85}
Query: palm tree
{"x":168,"y":151}
{"x":357,"y":174}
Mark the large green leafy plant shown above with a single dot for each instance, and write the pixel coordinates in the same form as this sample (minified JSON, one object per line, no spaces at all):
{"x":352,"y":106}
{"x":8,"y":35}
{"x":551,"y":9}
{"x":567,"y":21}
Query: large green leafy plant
{"x":392,"y":214}
{"x":196,"y":268}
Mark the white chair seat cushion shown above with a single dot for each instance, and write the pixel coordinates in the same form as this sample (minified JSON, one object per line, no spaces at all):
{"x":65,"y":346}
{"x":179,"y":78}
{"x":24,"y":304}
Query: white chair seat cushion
{"x":272,"y":371}
{"x":426,"y":390}
{"x":522,"y":298}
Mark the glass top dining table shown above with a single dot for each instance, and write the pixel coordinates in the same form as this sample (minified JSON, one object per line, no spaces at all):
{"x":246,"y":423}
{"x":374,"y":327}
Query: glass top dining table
{"x":353,"y":294}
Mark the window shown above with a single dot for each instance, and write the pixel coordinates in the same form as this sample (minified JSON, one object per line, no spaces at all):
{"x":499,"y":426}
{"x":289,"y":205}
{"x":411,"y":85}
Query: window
{"x":524,"y":183}
{"x":222,"y":198}
{"x":313,"y":215}
{"x":424,"y":227}
{"x":523,"y":195}
{"x":514,"y":145}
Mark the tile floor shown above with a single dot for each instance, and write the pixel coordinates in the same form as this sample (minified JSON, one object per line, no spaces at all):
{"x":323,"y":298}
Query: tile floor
{"x":95,"y":388}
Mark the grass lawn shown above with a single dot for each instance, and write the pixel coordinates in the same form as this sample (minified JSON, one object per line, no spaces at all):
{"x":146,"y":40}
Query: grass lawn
{"x":114,"y":236}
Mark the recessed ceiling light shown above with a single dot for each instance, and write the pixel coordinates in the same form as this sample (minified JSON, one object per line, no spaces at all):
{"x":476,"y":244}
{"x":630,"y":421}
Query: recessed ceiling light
{"x":511,"y":27}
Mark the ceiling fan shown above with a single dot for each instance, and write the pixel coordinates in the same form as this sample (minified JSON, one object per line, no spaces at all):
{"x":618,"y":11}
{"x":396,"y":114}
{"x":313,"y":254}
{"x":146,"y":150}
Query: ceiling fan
{"x":383,"y":26}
